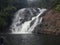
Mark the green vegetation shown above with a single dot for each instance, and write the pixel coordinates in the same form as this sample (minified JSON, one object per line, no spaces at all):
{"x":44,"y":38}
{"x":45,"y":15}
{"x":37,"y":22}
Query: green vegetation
{"x":6,"y":13}
{"x":57,"y":6}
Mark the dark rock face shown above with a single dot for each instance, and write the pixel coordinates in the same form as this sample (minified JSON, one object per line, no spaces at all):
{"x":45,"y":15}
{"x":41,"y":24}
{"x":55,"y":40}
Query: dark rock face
{"x":39,"y":28}
{"x":28,"y":13}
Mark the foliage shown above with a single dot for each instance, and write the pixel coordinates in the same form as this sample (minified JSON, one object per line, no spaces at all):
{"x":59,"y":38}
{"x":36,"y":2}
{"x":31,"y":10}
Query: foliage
{"x":6,"y":13}
{"x":57,"y":5}
{"x":57,"y":8}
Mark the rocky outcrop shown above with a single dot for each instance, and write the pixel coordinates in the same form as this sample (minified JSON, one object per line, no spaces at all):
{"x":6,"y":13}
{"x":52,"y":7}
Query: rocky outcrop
{"x":52,"y":23}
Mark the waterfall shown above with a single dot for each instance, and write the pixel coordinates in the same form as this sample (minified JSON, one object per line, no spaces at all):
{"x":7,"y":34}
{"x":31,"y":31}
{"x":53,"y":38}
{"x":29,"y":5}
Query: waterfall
{"x":26,"y":19}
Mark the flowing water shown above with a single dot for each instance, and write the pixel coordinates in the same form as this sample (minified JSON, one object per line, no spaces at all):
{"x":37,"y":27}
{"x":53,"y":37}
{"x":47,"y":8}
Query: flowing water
{"x":26,"y":20}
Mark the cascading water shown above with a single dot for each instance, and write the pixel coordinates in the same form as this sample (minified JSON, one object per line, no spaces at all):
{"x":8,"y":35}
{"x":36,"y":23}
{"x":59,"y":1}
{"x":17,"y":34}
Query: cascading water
{"x":26,"y":20}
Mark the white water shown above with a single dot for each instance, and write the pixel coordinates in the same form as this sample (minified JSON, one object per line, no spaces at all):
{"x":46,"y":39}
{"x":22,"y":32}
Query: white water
{"x":23,"y":19}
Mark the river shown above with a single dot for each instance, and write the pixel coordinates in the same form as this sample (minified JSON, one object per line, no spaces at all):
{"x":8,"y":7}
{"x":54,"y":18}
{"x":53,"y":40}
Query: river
{"x":30,"y":39}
